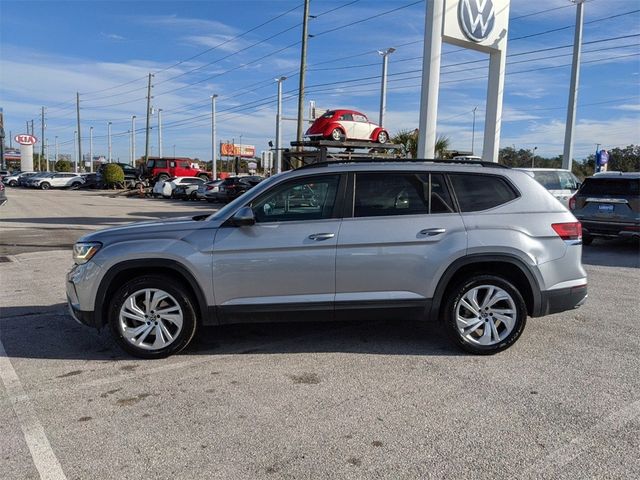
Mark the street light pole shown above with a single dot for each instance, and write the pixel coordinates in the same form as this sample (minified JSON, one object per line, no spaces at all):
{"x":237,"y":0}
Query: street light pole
{"x":533,"y":157}
{"x":383,"y":87}
{"x":279,"y":126}
{"x":473,"y":130}
{"x":91,"y":149}
{"x":303,"y":68}
{"x":56,"y":158}
{"x":109,"y":142}
{"x":133,"y":139}
{"x":567,"y":156}
{"x":75,"y":150}
{"x":214,"y":160}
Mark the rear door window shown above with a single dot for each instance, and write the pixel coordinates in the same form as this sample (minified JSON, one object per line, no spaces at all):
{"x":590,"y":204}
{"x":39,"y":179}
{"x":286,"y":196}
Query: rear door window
{"x":476,"y":192}
{"x":410,"y":193}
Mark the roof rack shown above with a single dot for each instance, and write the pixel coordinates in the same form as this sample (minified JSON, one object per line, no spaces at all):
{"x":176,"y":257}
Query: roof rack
{"x":402,"y":160}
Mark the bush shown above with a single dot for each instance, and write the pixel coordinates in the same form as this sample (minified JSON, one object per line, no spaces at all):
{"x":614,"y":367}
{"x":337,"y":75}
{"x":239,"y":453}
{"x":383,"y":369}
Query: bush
{"x":113,"y":174}
{"x":63,"y":166}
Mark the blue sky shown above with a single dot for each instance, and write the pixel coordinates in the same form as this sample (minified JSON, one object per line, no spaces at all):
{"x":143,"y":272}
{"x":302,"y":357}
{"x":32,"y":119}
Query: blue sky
{"x":50,"y":50}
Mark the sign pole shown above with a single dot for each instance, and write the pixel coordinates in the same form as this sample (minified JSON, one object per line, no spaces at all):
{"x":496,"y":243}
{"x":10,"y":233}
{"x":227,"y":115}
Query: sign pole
{"x":493,"y":115}
{"x":430,"y":79}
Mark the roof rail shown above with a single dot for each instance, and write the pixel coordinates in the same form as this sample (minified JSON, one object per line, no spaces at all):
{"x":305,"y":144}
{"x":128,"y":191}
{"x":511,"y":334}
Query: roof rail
{"x":403,"y":160}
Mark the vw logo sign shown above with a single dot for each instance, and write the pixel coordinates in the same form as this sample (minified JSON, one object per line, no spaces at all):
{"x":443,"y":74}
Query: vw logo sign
{"x":476,"y":18}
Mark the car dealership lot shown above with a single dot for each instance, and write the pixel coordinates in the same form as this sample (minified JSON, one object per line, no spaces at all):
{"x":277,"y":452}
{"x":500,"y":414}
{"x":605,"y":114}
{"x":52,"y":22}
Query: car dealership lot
{"x":344,"y":400}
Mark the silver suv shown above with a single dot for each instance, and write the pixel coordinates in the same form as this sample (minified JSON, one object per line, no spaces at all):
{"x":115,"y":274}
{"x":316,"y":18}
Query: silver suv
{"x":476,"y":247}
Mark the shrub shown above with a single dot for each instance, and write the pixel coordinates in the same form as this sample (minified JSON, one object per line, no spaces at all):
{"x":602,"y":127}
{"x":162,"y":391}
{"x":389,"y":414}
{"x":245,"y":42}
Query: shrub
{"x":113,"y":174}
{"x":63,"y":166}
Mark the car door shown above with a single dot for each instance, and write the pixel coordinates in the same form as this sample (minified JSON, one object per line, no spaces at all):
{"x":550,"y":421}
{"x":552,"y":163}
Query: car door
{"x":346,"y":120}
{"x":283,"y":266}
{"x":402,"y":231}
{"x":362,"y":127}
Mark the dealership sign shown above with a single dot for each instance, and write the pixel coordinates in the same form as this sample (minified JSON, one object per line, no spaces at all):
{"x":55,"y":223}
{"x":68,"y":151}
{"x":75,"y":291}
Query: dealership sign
{"x":476,"y":24}
{"x":236,"y":150}
{"x":24,"y":139}
{"x":476,"y":18}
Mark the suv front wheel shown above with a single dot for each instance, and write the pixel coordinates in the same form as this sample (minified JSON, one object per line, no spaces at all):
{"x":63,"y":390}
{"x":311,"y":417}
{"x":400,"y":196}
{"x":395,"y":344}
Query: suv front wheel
{"x":152,"y":317}
{"x":485,"y":314}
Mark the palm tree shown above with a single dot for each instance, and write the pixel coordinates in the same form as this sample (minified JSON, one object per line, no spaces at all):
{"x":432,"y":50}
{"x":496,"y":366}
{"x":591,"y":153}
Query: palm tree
{"x":409,"y":139}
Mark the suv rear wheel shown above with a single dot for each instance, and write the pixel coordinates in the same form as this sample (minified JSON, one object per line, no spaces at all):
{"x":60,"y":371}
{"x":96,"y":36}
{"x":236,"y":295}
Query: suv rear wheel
{"x":485,"y":314}
{"x":152,"y":317}
{"x":45,"y":186}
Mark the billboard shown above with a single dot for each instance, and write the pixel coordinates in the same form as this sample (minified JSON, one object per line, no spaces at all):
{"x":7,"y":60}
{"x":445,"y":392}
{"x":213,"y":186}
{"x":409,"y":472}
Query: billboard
{"x":237,"y":150}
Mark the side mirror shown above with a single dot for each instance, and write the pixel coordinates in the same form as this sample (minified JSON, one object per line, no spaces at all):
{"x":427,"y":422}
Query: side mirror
{"x":244,"y":217}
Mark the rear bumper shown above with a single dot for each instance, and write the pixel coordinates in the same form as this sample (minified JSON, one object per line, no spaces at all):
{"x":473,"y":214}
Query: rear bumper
{"x":610,"y":229}
{"x":563,"y":299}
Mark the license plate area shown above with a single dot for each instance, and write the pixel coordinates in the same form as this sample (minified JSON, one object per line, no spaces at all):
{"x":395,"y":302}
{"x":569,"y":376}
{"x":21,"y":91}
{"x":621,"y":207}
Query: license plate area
{"x":605,"y":208}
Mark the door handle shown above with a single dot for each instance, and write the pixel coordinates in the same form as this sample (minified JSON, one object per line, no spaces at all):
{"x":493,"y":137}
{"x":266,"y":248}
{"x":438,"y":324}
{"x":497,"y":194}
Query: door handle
{"x":321,"y":236}
{"x":430,"y":232}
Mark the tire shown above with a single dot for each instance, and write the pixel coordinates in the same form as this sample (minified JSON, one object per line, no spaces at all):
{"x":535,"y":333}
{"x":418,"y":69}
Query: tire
{"x":193,"y":196}
{"x":206,"y":178}
{"x":45,"y":186}
{"x":337,"y":135}
{"x":163,"y":177}
{"x":75,"y":184}
{"x":586,"y":239}
{"x":383,"y":137}
{"x":481,"y":338}
{"x":168,"y":336}
{"x":13,"y":183}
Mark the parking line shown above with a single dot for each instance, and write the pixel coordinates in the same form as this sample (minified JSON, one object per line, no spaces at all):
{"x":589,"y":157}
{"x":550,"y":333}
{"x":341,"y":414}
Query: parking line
{"x":44,"y":459}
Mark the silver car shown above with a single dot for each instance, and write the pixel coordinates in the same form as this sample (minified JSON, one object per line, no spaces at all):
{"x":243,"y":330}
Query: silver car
{"x":561,"y":183}
{"x":477,"y":248}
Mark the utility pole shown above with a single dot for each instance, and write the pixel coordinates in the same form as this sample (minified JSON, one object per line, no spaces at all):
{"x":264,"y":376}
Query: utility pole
{"x":32,"y":130}
{"x":567,"y":156}
{"x":146,"y":146}
{"x":109,"y":142}
{"x":383,"y":87}
{"x":279,"y":126}
{"x":91,"y":149}
{"x":28,"y":132}
{"x":10,"y":139}
{"x":130,"y":144}
{"x":41,"y":140}
{"x":75,"y":150}
{"x":160,"y":132}
{"x":133,"y":139}
{"x":473,"y":129}
{"x":56,"y":157}
{"x":214,"y":160}
{"x":303,"y":68}
{"x":79,"y":131}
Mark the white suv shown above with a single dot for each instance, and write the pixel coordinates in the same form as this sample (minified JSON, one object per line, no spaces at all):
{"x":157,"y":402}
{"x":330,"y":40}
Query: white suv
{"x":58,"y":180}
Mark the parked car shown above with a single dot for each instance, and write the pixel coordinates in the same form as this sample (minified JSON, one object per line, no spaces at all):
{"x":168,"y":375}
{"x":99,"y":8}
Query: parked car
{"x":477,"y":248}
{"x":165,"y":188}
{"x":608,"y":206}
{"x":208,"y":191}
{"x":232,"y":187}
{"x":162,"y":169}
{"x":188,"y":191}
{"x":91,"y":180}
{"x":4,"y":173}
{"x":3,"y":195}
{"x":56,"y":180}
{"x":561,"y":183}
{"x":13,"y":178}
{"x":340,"y":125}
{"x":24,"y":179}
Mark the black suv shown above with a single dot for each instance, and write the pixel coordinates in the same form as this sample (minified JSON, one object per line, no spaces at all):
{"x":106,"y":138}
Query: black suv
{"x":608,"y":205}
{"x":132,"y":176}
{"x":232,"y":187}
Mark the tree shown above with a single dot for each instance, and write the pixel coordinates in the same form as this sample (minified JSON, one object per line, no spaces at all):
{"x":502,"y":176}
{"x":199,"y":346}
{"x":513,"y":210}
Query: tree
{"x":62,"y":166}
{"x":113,"y":175}
{"x":624,"y":159}
{"x":409,"y":139}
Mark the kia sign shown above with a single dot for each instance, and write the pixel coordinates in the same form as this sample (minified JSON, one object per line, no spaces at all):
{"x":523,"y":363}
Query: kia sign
{"x":476,"y":18}
{"x":236,"y":150}
{"x":24,"y":139}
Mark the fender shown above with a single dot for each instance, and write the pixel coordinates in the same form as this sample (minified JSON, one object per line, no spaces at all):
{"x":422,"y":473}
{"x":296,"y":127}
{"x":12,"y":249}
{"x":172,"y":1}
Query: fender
{"x":207,"y":315}
{"x":483,"y":258}
{"x":374,"y":134}
{"x":331,"y":127}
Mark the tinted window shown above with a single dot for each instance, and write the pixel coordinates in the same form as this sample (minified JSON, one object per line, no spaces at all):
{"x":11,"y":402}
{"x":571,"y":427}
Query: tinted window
{"x":548,"y":180}
{"x":568,"y":181}
{"x":328,"y":114}
{"x":310,"y":198}
{"x":381,"y":194}
{"x":347,"y":117}
{"x":610,"y":186}
{"x":157,"y":163}
{"x":481,"y":192}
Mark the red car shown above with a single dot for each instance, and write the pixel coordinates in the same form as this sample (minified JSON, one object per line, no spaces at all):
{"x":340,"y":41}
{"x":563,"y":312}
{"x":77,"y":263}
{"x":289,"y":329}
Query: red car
{"x":341,"y":125}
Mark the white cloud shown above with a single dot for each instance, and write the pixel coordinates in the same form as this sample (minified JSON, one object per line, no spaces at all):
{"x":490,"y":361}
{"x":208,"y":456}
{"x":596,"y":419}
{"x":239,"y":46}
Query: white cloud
{"x":631,"y":107}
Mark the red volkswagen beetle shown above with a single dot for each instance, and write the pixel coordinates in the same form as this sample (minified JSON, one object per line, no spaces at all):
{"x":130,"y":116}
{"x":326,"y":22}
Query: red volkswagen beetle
{"x":346,"y":125}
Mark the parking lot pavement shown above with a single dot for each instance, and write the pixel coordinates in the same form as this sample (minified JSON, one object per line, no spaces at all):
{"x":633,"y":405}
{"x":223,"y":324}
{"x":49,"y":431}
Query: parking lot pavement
{"x":346,"y":400}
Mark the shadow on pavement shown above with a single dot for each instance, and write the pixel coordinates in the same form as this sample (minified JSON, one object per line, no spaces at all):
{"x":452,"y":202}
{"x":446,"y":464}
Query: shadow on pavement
{"x":49,"y":333}
{"x":612,"y":253}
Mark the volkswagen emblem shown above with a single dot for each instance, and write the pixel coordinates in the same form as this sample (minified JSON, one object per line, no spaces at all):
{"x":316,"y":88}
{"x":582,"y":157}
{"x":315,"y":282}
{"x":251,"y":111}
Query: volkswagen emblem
{"x":476,"y":18}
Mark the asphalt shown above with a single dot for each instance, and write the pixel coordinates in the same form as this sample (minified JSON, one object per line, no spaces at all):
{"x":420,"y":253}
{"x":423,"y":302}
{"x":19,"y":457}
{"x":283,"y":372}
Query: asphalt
{"x":353,"y":400}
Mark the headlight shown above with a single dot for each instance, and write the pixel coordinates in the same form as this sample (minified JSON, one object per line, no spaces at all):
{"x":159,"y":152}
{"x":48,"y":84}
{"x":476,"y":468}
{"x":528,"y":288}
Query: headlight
{"x":84,"y":251}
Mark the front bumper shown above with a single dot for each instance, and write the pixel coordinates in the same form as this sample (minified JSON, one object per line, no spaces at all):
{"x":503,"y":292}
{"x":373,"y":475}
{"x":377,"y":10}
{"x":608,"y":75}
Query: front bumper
{"x":79,"y":299}
{"x":563,"y":299}
{"x":82,"y":317}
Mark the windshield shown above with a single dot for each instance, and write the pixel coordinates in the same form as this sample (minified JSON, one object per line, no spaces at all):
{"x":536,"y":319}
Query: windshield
{"x":238,"y":202}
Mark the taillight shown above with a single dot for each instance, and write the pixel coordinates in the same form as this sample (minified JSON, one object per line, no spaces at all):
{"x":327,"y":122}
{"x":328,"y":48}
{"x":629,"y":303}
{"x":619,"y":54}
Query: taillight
{"x":209,"y":187}
{"x":572,"y":203}
{"x":568,"y":231}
